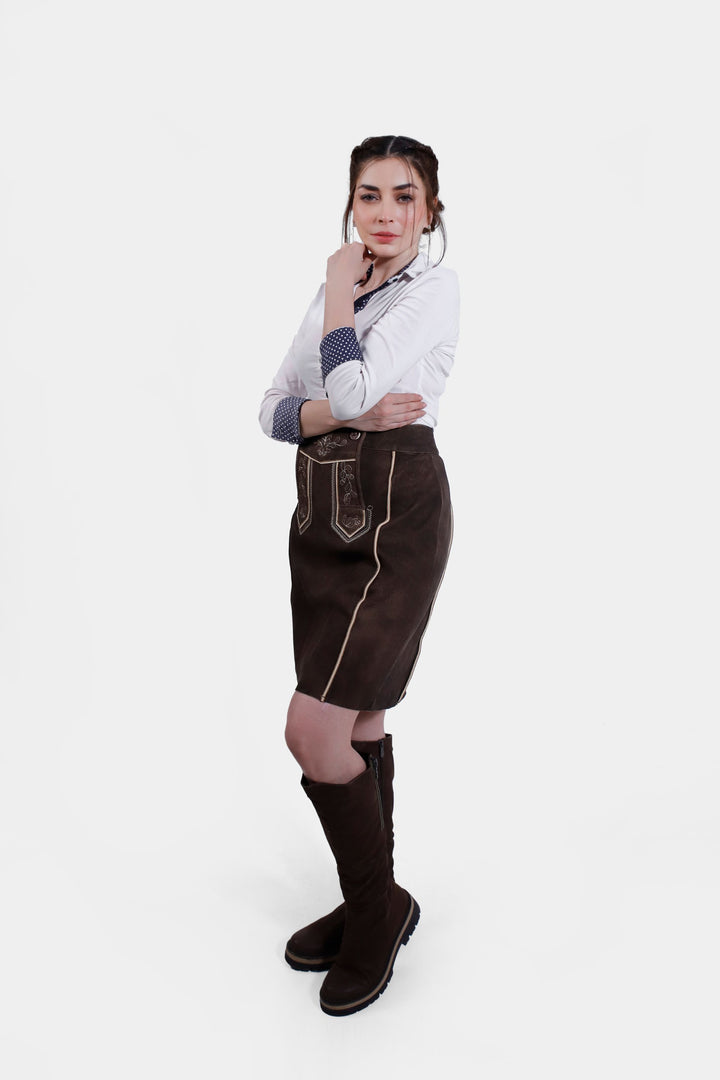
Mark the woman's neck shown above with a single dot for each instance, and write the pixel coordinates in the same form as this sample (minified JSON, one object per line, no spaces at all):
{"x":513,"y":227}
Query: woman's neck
{"x":385,"y":268}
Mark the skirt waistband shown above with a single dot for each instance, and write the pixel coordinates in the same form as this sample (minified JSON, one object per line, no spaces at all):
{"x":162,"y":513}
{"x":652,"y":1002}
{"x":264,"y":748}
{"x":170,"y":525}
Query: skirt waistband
{"x":345,"y":442}
{"x":412,"y":439}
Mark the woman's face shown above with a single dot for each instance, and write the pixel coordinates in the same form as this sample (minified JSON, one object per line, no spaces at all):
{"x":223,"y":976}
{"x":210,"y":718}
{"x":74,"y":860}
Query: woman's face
{"x":390,"y":209}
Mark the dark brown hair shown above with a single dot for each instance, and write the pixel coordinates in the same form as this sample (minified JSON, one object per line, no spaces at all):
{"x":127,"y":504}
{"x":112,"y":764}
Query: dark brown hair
{"x":413,"y":153}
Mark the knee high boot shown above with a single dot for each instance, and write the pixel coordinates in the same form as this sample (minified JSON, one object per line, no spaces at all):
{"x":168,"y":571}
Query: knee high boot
{"x":380,"y":916}
{"x":315,"y":947}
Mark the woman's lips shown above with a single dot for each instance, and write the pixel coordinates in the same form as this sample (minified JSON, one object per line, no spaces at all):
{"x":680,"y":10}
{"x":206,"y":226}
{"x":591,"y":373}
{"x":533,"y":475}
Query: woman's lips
{"x":384,"y":237}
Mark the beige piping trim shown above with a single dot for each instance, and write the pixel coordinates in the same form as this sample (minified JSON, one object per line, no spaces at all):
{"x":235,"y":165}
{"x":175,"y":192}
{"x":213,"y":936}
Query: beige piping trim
{"x":331,"y":461}
{"x":417,"y":654}
{"x":361,"y":601}
{"x":302,"y":525}
{"x":385,"y":980}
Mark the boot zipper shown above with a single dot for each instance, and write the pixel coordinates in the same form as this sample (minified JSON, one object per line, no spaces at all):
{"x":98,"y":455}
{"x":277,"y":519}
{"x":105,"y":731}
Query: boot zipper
{"x":373,"y":762}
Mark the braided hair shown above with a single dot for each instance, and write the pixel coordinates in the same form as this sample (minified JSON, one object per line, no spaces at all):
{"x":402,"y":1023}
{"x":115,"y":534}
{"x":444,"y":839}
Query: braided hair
{"x":415,"y":154}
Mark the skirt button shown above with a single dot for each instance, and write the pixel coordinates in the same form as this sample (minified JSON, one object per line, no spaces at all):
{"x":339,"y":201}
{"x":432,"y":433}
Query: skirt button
{"x":355,"y":434}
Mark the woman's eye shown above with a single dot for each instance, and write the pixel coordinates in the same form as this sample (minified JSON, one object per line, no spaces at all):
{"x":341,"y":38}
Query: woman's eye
{"x":367,"y":197}
{"x":405,"y":198}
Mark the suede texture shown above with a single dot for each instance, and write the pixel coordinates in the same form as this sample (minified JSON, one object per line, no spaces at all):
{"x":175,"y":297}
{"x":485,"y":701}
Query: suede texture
{"x":369,"y":543}
{"x":379,"y":914}
{"x":316,"y":946}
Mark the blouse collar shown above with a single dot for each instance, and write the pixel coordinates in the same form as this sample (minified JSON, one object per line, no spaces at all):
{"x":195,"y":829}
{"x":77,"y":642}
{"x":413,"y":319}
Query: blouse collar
{"x":410,"y":270}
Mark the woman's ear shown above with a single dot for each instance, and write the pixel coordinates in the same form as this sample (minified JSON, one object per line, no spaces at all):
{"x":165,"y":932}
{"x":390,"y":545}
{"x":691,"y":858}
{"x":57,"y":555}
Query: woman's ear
{"x":431,"y":212}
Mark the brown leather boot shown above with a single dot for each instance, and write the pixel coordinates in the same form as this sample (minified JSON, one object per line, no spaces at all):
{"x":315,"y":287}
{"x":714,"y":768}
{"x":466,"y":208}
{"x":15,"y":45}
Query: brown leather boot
{"x":380,"y":916}
{"x":315,"y":947}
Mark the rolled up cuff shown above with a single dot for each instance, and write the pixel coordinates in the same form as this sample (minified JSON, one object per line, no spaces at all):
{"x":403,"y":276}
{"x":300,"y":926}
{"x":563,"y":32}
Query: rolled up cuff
{"x":337,"y":348}
{"x":286,"y":419}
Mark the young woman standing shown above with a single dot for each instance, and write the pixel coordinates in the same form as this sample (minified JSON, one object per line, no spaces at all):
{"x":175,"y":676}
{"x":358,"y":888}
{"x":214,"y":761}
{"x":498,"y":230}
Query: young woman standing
{"x":358,"y":393}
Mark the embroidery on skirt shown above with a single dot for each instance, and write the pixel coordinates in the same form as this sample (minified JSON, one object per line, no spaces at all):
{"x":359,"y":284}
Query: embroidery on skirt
{"x":304,"y":490}
{"x":327,"y":443}
{"x":350,"y":517}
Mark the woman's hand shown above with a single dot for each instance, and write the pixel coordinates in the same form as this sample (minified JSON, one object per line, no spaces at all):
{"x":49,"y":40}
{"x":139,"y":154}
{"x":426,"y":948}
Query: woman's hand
{"x":348,"y":265}
{"x":392,"y":411}
{"x":345,"y":268}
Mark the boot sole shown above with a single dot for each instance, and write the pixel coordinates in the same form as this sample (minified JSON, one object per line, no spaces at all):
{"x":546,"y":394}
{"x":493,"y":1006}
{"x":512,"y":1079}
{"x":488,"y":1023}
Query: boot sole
{"x":304,"y":963}
{"x":406,"y":932}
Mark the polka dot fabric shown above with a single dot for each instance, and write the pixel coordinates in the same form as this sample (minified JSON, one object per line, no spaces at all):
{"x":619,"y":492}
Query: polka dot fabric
{"x":362,"y":300}
{"x":286,"y":420}
{"x":341,"y":345}
{"x":336,"y":348}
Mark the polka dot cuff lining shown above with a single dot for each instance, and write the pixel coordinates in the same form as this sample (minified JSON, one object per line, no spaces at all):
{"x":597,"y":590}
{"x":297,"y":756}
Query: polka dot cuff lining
{"x":341,"y":345}
{"x":286,"y":420}
{"x":337,"y":348}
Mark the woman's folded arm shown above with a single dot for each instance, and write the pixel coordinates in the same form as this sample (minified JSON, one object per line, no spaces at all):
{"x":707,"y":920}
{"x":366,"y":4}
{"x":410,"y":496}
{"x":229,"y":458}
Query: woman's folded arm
{"x":357,"y":375}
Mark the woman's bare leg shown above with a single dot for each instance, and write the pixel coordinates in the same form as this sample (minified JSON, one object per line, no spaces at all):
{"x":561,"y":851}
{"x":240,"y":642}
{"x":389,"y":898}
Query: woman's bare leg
{"x":369,"y":726}
{"x":318,"y":736}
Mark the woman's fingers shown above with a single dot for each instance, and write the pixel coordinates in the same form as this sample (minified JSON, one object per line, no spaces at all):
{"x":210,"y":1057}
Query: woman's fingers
{"x":399,"y":403}
{"x":392,"y":411}
{"x":399,"y":408}
{"x":396,"y":416}
{"x":400,"y":398}
{"x":349,"y":263}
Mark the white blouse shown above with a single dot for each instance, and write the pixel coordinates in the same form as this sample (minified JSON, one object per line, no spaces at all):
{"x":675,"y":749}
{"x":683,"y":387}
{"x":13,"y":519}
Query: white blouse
{"x":404,"y":341}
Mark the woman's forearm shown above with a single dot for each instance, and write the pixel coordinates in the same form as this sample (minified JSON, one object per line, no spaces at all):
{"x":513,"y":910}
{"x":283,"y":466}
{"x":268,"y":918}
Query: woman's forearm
{"x":339,"y":305}
{"x":316,"y":419}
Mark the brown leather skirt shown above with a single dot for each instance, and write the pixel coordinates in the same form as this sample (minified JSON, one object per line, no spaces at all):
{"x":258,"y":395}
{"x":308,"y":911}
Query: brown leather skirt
{"x":369,"y":542}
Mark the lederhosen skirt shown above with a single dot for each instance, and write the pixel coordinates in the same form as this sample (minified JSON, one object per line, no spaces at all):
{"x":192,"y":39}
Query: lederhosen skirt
{"x":369,"y":541}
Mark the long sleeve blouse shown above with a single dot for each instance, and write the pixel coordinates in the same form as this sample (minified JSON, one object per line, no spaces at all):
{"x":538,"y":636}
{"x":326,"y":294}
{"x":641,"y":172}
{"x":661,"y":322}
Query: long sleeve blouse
{"x":403,"y":341}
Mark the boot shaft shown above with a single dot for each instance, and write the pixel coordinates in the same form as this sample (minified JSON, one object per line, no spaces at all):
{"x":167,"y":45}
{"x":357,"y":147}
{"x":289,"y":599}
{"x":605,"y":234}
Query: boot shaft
{"x":352,"y":819}
{"x":382,"y":751}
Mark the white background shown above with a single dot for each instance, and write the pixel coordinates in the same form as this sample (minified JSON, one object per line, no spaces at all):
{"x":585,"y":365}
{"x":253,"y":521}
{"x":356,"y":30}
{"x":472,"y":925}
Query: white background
{"x":173,"y":178}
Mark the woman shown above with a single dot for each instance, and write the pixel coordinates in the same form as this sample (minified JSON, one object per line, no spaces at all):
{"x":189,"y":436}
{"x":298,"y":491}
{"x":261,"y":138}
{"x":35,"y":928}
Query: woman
{"x":358,"y":392}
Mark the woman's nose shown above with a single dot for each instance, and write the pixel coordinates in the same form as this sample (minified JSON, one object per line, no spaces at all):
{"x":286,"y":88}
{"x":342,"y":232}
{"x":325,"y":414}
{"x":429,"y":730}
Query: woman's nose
{"x":385,"y":212}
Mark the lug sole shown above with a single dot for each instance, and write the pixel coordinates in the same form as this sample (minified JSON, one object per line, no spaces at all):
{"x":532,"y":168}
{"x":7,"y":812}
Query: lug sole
{"x":304,"y":963}
{"x":406,"y":932}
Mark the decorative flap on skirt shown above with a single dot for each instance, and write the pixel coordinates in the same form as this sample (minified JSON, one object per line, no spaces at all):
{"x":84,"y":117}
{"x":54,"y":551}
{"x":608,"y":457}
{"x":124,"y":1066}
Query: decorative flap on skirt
{"x":341,"y":451}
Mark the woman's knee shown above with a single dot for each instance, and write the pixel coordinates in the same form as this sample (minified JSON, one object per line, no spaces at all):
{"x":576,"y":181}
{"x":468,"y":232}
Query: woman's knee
{"x":315,"y":730}
{"x":294,"y":732}
{"x":301,"y":727}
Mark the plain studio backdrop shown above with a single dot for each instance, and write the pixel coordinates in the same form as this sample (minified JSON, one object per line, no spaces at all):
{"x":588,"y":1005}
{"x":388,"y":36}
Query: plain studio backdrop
{"x":173,"y":179}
